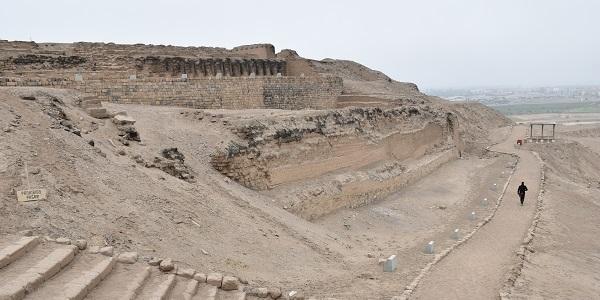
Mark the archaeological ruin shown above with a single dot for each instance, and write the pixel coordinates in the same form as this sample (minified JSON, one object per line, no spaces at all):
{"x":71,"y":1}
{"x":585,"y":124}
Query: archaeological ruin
{"x":244,"y":77}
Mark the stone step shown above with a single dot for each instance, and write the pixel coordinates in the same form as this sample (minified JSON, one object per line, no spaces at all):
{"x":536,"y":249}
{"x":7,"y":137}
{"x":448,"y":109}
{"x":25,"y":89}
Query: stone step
{"x":79,"y":287}
{"x":163,"y":290}
{"x":205,"y":292}
{"x":190,"y":289}
{"x":91,"y":103}
{"x":97,"y":112}
{"x":230,"y":295}
{"x":124,"y":282}
{"x":147,"y":290}
{"x":27,"y":282}
{"x":54,"y":288}
{"x":181,"y":286}
{"x":17,"y":249}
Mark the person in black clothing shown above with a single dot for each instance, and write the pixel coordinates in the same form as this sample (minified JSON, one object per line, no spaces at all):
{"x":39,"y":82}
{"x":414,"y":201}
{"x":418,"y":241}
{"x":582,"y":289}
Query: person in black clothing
{"x":521,"y":191}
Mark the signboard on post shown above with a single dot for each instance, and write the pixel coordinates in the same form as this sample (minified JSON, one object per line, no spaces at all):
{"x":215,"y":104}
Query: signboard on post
{"x":31,"y":195}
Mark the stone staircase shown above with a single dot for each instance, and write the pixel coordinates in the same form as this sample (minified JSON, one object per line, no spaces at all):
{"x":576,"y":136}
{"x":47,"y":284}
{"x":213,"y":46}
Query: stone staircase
{"x":33,"y":267}
{"x":93,"y":106}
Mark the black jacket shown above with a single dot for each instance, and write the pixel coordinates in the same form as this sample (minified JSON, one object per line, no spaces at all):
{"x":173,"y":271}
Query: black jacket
{"x":522,"y":189}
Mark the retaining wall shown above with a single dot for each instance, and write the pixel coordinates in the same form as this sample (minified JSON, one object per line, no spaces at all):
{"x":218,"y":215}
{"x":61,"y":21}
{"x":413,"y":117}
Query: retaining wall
{"x":205,"y":93}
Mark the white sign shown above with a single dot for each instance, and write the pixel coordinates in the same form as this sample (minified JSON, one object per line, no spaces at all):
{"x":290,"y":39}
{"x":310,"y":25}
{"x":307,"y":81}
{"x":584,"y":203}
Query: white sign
{"x":31,"y":195}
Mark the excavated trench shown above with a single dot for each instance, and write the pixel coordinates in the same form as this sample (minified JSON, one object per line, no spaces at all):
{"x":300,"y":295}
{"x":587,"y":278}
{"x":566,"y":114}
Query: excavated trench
{"x":316,"y":162}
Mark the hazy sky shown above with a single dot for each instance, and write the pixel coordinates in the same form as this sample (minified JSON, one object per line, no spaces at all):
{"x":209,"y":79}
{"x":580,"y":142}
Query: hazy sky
{"x":436,"y":44}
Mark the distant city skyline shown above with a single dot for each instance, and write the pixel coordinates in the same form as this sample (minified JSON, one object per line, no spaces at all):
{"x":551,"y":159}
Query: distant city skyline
{"x":435,"y":44}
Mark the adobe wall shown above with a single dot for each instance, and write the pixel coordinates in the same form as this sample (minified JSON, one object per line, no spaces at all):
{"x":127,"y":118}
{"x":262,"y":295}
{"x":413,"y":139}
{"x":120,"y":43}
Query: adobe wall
{"x":265,"y":51}
{"x":30,"y":58}
{"x":205,"y":93}
{"x":320,"y":161}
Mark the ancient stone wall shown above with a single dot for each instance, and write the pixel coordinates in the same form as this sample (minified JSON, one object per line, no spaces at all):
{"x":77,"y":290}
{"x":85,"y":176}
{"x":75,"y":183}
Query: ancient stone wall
{"x":29,"y":58}
{"x":265,"y":51}
{"x":225,"y":92}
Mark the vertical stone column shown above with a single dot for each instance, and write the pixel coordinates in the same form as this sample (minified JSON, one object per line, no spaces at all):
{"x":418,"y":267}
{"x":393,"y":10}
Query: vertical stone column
{"x":260,"y":68}
{"x":210,"y":67}
{"x":236,"y":68}
{"x":274,"y":69}
{"x":267,"y":64}
{"x":282,"y":66}
{"x":193,"y":69}
{"x":253,"y":67}
{"x":202,"y":67}
{"x":226,"y":64}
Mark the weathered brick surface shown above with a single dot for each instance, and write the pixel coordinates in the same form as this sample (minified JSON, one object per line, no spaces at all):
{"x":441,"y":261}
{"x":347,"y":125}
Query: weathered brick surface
{"x":206,"y":93}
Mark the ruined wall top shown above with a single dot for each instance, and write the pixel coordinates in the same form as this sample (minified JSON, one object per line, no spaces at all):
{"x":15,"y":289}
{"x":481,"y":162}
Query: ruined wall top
{"x":11,"y":48}
{"x":264,"y":51}
{"x":27,"y":58}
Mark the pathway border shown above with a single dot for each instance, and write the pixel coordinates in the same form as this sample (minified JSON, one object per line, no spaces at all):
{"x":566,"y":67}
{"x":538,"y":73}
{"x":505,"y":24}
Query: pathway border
{"x":409,"y":289}
{"x":525,"y":249}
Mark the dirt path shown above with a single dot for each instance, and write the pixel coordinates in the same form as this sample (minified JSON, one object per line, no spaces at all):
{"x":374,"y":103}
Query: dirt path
{"x":476,"y":270}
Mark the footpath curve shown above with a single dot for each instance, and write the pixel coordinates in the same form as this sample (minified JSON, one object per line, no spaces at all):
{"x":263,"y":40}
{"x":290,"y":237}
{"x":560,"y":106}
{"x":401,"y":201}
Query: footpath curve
{"x":477,"y":268}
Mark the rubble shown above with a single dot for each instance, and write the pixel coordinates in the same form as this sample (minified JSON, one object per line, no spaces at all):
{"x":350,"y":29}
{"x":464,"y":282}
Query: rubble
{"x":127,"y":130}
{"x":166,"y":265}
{"x":128,"y":257}
{"x":171,"y":162}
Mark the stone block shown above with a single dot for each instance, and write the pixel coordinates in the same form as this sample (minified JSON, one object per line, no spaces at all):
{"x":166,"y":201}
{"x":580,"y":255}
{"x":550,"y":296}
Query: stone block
{"x":108,"y":251}
{"x":473,"y":216}
{"x":200,"y":277}
{"x":215,"y":279}
{"x":186,"y":272}
{"x":81,"y":244}
{"x":63,"y":241}
{"x":166,"y":265}
{"x":390,"y":264}
{"x":429,"y":248}
{"x":484,"y":202}
{"x":230,"y":283}
{"x":98,"y":113}
{"x":456,"y":234}
{"x":128,"y":257}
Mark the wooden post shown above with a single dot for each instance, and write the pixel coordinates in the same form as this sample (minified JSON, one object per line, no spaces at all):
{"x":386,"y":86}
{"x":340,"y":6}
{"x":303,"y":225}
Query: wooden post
{"x":531,"y":130}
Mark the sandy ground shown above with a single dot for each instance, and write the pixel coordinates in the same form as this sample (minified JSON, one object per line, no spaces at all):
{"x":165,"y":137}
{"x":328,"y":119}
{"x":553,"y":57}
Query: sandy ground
{"x":565,"y":263}
{"x":404,"y":222}
{"x":476,"y":269}
{"x":100,"y":193}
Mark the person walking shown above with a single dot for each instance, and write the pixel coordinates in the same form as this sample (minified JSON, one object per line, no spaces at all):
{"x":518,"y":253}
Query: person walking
{"x":521,"y":192}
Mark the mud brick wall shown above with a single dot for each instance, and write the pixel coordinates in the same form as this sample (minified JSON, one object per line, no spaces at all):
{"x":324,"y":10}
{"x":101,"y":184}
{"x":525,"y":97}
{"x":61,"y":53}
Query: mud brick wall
{"x":205,"y":93}
{"x":302,"y":92}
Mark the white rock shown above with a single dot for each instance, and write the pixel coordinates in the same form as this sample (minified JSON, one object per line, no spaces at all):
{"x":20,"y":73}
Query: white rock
{"x":128,"y":257}
{"x":63,"y":241}
{"x":93,"y":249}
{"x":108,"y":251}
{"x":154,"y":261}
{"x":123,"y":120}
{"x":230,"y":283}
{"x":200,"y":277}
{"x":166,"y":265}
{"x":215,"y":279}
{"x":259,"y":292}
{"x":186,"y":272}
{"x":26,"y":232}
{"x":81,"y":244}
{"x":295,"y":295}
{"x":274,"y":293}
